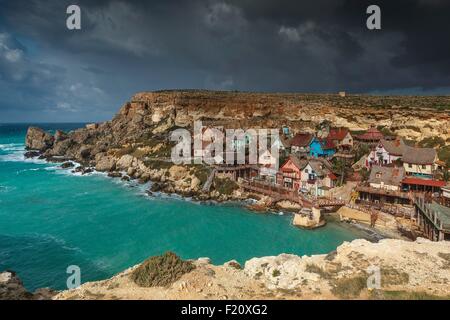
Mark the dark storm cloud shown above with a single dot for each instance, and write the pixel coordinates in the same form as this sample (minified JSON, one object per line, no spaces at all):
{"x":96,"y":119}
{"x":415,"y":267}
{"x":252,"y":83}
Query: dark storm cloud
{"x":49,"y":72}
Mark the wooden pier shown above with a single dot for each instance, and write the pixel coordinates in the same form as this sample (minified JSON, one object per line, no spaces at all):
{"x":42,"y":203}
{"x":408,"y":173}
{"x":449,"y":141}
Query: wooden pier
{"x":279,"y":193}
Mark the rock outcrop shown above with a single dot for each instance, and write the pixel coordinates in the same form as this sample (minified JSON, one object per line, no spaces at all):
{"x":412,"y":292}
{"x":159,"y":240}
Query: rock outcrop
{"x":38,"y":139}
{"x":11,"y":288}
{"x":413,"y":270}
{"x":137,"y":141}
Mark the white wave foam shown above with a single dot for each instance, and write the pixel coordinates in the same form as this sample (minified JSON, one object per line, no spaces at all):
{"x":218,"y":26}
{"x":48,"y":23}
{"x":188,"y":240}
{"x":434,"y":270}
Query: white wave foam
{"x":12,"y":147}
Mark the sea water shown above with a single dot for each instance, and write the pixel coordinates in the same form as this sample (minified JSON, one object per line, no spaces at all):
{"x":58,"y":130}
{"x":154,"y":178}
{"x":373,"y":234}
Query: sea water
{"x":51,"y":219}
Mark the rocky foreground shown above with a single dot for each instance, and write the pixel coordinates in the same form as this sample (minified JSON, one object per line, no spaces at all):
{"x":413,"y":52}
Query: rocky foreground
{"x":407,"y":270}
{"x":410,"y":270}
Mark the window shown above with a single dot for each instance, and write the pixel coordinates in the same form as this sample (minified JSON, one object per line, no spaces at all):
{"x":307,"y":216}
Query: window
{"x":306,"y":171}
{"x":410,"y":165}
{"x":424,"y":166}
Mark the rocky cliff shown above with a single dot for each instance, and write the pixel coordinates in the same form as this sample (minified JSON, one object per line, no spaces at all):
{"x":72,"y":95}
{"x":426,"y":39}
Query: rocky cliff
{"x":411,"y":270}
{"x":136,"y":140}
{"x":150,"y":115}
{"x":11,"y":288}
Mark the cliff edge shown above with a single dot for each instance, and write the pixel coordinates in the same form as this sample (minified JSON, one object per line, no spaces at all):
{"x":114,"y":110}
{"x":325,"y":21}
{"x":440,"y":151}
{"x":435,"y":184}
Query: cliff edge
{"x":407,"y":270}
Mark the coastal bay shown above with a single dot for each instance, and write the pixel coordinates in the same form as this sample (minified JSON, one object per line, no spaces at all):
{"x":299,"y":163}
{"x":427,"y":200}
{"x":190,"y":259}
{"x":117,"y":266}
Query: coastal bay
{"x":51,"y":218}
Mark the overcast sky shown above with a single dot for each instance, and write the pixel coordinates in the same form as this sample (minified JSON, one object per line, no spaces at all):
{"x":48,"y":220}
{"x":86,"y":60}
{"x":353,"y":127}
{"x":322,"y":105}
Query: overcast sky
{"x":49,"y":73}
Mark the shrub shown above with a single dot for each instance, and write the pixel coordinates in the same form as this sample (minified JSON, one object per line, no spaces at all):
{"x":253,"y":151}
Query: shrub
{"x":276,"y":273}
{"x":202,"y":173}
{"x":432,"y":142}
{"x":312,"y":268}
{"x":225,"y":186}
{"x":161,"y":270}
{"x":391,"y":276}
{"x":385,"y":131}
{"x":444,"y":155}
{"x":158,"y":164}
{"x":349,"y":287}
{"x":124,"y":151}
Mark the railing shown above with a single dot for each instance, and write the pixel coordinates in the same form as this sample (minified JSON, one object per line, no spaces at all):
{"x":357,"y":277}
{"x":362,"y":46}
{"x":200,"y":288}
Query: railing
{"x":281,"y":193}
{"x":431,"y":214}
{"x":382,"y":191}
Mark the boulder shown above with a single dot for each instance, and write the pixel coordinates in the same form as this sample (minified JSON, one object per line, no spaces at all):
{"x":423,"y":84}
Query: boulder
{"x":11,"y":288}
{"x":61,"y":146}
{"x":125,"y":162}
{"x":177,"y":172}
{"x":114,"y":175}
{"x":156,"y":187}
{"x":84,"y":153}
{"x":38,"y":139}
{"x":105,"y":163}
{"x":32,"y":154}
{"x":195,"y":183}
{"x":67,"y":165}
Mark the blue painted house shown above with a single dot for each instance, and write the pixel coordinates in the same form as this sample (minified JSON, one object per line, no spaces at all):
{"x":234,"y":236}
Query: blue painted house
{"x":321,"y":148}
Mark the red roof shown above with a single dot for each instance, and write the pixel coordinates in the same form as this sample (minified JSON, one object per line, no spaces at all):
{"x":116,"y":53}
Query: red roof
{"x":371,"y":134}
{"x":332,"y":176}
{"x":424,"y":182}
{"x":301,"y":139}
{"x":337,"y":134}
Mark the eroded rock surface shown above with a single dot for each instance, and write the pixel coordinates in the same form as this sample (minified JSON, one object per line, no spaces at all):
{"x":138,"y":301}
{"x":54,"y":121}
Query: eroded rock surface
{"x":411,"y":270}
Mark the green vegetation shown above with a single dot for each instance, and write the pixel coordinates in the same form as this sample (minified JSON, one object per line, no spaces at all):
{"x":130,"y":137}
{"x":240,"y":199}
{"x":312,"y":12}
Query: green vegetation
{"x":158,"y":164}
{"x":432,"y":142}
{"x":201,"y":172}
{"x":385,"y":131}
{"x":391,"y":276}
{"x":361,"y":150}
{"x":225,"y":186}
{"x":276,"y":273}
{"x":161,"y":270}
{"x":446,"y":257}
{"x":410,"y":142}
{"x":139,"y":153}
{"x":444,"y":155}
{"x":235,"y":265}
{"x":312,"y":268}
{"x":442,"y":107}
{"x":413,"y":128}
{"x":365,"y":174}
{"x":124,"y":151}
{"x":341,"y":168}
{"x":347,"y":288}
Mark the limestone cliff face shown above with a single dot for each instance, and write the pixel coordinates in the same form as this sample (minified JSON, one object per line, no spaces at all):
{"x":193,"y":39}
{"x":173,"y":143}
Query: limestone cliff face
{"x":409,"y":116}
{"x":150,"y":116}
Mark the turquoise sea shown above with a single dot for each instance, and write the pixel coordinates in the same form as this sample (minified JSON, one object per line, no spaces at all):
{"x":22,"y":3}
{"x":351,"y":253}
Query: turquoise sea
{"x":50,"y":219}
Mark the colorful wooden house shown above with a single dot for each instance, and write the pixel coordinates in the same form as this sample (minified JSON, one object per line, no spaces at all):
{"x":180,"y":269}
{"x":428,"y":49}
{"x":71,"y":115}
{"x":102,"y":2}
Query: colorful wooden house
{"x":386,"y":152}
{"x":419,"y":162}
{"x":317,"y":177}
{"x":341,"y":138}
{"x":300,"y":142}
{"x":290,"y":173}
{"x":321,"y":148}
